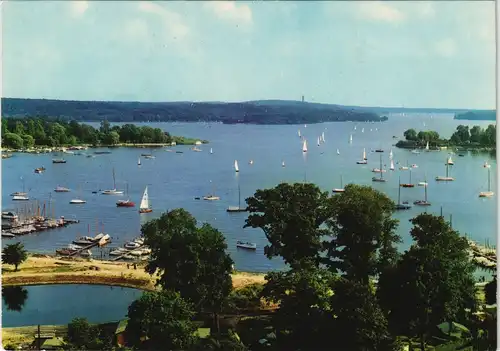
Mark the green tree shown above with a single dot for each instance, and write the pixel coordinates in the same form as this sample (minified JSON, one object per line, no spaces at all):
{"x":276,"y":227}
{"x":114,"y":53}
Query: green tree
{"x":475,"y":134}
{"x":58,"y":133}
{"x":39,"y":132}
{"x":105,"y":127}
{"x":304,"y":319}
{"x":5,"y":128}
{"x":12,"y":140}
{"x":292,"y":217}
{"x":160,"y":321}
{"x":14,"y":254}
{"x":129,"y":133}
{"x":28,"y":141}
{"x":189,"y":259}
{"x":432,"y":282}
{"x":14,"y":297}
{"x":111,"y":138}
{"x":490,"y":292}
{"x":147,"y":134}
{"x":363,"y":233}
{"x":84,"y":336}
{"x":488,"y":138}
{"x":159,"y":136}
{"x":410,"y":134}
{"x":359,"y":321}
{"x":19,"y":128}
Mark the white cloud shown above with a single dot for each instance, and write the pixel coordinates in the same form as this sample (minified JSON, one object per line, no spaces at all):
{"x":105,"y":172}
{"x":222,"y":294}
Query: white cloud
{"x":240,"y":14}
{"x":445,"y":47}
{"x":79,"y":7}
{"x":380,"y":11}
{"x":174,"y":24}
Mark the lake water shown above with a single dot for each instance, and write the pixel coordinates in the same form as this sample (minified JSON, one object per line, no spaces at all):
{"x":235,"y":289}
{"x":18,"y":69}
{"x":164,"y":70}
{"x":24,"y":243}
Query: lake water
{"x":59,"y":304}
{"x":175,"y":179}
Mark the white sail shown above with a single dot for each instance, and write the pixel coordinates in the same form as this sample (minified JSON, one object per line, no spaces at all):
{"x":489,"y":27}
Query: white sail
{"x":145,"y":200}
{"x":392,"y":165}
{"x":362,"y":130}
{"x":390,"y":154}
{"x":427,"y":146}
{"x":319,"y":140}
{"x":350,"y":138}
{"x":364,"y":154}
{"x":139,"y":161}
{"x":338,"y":152}
{"x":304,"y":146}
{"x":236,"y":168}
{"x":298,"y":133}
{"x":211,"y":151}
{"x":283,"y":164}
{"x":323,"y":136}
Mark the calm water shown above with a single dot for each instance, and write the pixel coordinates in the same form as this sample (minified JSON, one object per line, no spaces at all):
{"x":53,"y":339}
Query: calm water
{"x":59,"y":304}
{"x":175,"y":179}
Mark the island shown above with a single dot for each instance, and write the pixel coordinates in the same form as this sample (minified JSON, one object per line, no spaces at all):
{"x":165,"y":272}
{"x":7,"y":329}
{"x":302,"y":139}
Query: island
{"x":477,"y":115}
{"x":250,"y":112}
{"x":29,"y":133}
{"x":475,"y":138}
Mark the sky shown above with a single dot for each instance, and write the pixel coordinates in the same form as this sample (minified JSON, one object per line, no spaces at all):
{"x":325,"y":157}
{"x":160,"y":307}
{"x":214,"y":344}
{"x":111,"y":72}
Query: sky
{"x":401,"y":54}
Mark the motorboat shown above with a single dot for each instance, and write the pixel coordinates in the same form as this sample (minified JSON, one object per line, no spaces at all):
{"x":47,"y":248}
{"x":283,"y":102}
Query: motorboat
{"x":77,"y":202}
{"x":86,"y":253}
{"x":84,"y":240}
{"x":132,"y":245}
{"x":246,"y":245}
{"x":7,"y":235}
{"x":19,"y":193}
{"x":112,"y":192}
{"x":422,"y":184}
{"x":20,"y":198}
{"x":61,"y":189}
{"x":139,"y":241}
{"x":98,"y":237}
{"x":58,"y":160}
{"x":378,"y":170}
{"x":381,"y":180}
{"x":118,"y":252}
{"x":125,"y":203}
{"x":39,"y":170}
{"x":211,"y":198}
{"x":11,"y":216}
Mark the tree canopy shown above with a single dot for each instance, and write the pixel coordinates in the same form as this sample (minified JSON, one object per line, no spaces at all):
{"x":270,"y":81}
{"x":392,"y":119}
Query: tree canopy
{"x":461,"y":137}
{"x":14,"y":254}
{"x":161,"y":321}
{"x":292,"y":217}
{"x":189,"y":259}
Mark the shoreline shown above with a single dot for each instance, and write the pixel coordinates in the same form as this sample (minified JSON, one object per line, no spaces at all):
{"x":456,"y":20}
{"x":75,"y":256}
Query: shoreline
{"x":47,"y":270}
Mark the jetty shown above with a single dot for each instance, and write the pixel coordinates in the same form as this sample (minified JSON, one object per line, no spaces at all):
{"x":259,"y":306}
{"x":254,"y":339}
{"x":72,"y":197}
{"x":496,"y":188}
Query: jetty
{"x":483,"y":255}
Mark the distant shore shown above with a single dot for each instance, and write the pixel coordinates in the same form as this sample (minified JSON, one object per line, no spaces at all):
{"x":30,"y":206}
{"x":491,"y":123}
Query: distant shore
{"x":41,"y":270}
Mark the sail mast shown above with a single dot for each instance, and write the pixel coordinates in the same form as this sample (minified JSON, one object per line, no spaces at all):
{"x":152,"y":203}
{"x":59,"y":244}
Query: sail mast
{"x":489,"y":181}
{"x":381,"y":173}
{"x":239,"y":196}
{"x":114,"y":180}
{"x":399,"y":191}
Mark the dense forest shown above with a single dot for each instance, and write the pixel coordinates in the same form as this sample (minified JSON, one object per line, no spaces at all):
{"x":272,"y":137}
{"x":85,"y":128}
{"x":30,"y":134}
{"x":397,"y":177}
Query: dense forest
{"x":463,"y":137}
{"x":347,"y":286}
{"x":477,"y":115}
{"x":26,"y":133}
{"x":273,"y":112}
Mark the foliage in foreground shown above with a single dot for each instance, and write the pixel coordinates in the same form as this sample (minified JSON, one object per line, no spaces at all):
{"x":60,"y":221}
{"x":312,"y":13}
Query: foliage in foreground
{"x":14,"y":254}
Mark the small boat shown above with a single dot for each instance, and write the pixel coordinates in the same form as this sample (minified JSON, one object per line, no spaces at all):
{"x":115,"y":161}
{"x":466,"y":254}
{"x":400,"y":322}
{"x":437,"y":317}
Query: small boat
{"x":446,"y":178}
{"x":149,"y":157}
{"x":392,"y":165}
{"x":61,"y":189}
{"x":7,"y":235}
{"x":341,"y":189}
{"x":78,"y":202}
{"x":364,"y":160}
{"x":381,"y":179}
{"x":104,"y":240}
{"x":58,"y":160}
{"x":102,"y":152}
{"x":39,"y":170}
{"x":304,"y":146}
{"x":391,"y":154}
{"x":237,"y":208}
{"x":423,"y":202}
{"x":379,"y":150}
{"x":415,"y":151}
{"x":211,"y":151}
{"x":488,"y":193}
{"x":211,"y":197}
{"x":407,"y":185}
{"x":298,"y":132}
{"x":236,"y":168}
{"x":362,"y":130}
{"x":378,"y":170}
{"x":486,"y":164}
{"x":246,"y":245}
{"x":139,"y":161}
{"x":125,"y":203}
{"x":319,"y":141}
{"x":196,"y":149}
{"x":128,"y":257}
{"x":250,"y":162}
{"x":118,"y":252}
{"x":139,"y":240}
{"x":179,"y":152}
{"x":323,"y":137}
{"x":98,"y":237}
{"x":20,"y":198}
{"x":132,"y":245}
{"x":112,"y":191}
{"x":422,"y":184}
{"x":84,"y":241}
{"x":145,"y":206}
{"x":136,"y":253}
{"x":338,"y":152}
{"x":461,"y":155}
{"x":350,"y":138}
{"x":282,"y":163}
{"x":19,"y":193}
{"x":427,"y":147}
{"x":10,"y":216}
{"x":449,"y":161}
{"x":414,"y":166}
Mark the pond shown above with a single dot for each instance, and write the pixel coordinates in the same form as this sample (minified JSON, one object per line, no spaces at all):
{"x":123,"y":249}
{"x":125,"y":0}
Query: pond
{"x":59,"y":304}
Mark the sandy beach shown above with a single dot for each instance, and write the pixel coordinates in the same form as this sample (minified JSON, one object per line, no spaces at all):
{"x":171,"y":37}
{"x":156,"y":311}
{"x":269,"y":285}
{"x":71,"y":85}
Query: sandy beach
{"x":39,"y":270}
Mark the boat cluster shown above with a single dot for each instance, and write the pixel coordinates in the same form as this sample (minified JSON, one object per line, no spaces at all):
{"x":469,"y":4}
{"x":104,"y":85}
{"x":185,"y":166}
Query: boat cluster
{"x":132,"y":250}
{"x":14,"y":227}
{"x":83,"y":244}
{"x":483,"y":256}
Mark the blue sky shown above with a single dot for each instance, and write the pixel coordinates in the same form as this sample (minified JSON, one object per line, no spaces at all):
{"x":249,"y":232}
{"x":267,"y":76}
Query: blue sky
{"x":412,"y":54}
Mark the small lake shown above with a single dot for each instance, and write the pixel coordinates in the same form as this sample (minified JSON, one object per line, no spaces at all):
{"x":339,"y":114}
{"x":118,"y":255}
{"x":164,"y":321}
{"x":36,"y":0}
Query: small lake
{"x":59,"y":304}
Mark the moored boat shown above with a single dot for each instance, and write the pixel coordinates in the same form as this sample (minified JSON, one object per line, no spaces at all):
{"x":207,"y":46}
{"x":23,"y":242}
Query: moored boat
{"x":58,"y":160}
{"x":246,"y":245}
{"x":61,"y":189}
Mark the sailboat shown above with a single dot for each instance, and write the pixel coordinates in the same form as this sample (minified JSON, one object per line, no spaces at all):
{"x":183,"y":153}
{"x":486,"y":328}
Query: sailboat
{"x":145,"y":206}
{"x":338,"y":152}
{"x":125,"y":203}
{"x":323,"y":136}
{"x":447,"y":178}
{"x":236,"y":168}
{"x":139,"y":161}
{"x":488,"y":193}
{"x":211,"y":197}
{"x":112,"y":191}
{"x":381,"y":179}
{"x":423,"y":202}
{"x":304,"y":146}
{"x":362,"y":130}
{"x":350,"y":139}
{"x":20,"y":195}
{"x":341,"y":189}
{"x":404,"y":168}
{"x":211,"y":151}
{"x":391,"y":154}
{"x":298,"y":132}
{"x":392,"y":165}
{"x":363,"y":161}
{"x":401,"y":206}
{"x":427,"y":147}
{"x":407,"y":185}
{"x":486,"y":164}
{"x":78,"y":200}
{"x":449,"y":161}
{"x":319,"y":141}
{"x":282,"y":163}
{"x":237,"y":208}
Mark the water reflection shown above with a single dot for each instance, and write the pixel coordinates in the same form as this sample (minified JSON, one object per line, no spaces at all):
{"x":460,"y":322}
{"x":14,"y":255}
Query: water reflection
{"x":14,"y":297}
